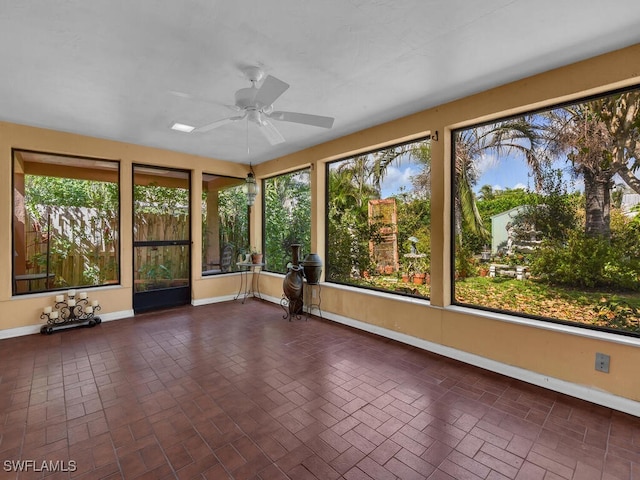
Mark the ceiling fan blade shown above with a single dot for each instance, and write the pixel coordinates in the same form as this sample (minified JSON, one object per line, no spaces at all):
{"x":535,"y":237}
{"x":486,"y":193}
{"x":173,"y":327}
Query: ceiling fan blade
{"x":218,"y":123}
{"x":270,"y":91}
{"x":180,"y":94}
{"x":315,"y":120}
{"x":200,"y":99}
{"x":270,"y":132}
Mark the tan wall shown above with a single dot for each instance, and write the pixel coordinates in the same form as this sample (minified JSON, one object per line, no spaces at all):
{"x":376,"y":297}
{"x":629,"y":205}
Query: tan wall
{"x":25,"y":310}
{"x":565,"y":356}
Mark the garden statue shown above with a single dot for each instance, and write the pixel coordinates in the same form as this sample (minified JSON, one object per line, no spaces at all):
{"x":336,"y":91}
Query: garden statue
{"x":413,"y":240}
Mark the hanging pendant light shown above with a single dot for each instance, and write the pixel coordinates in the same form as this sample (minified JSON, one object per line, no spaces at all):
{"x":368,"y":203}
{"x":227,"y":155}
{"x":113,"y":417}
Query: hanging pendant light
{"x":250,"y":187}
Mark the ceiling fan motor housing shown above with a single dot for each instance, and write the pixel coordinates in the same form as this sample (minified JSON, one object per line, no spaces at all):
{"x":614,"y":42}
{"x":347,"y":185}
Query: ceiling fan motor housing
{"x":245,"y":98}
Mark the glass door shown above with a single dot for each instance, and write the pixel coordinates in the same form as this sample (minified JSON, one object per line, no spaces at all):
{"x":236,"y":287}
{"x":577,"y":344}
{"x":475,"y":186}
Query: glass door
{"x":161,"y":238}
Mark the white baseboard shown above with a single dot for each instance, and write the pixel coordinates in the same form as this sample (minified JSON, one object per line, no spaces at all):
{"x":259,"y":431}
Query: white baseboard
{"x":582,"y":392}
{"x":32,"y":329}
{"x":109,"y":317}
{"x":210,"y":300}
{"x":228,"y":298}
{"x":271,"y":299}
{"x":20,"y":331}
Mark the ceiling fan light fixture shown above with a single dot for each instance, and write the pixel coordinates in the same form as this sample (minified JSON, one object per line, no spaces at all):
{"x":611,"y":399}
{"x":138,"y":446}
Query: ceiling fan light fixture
{"x":182,"y":127}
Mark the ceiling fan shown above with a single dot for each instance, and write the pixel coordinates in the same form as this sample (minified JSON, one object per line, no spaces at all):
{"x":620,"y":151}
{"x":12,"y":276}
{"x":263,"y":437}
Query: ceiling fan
{"x":256,"y":105}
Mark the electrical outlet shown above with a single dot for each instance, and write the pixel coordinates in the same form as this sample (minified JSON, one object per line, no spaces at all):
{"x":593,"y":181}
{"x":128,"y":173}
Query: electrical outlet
{"x":602,"y":362}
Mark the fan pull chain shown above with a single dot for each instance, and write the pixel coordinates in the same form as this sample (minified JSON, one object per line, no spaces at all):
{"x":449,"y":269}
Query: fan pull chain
{"x":248,"y":153}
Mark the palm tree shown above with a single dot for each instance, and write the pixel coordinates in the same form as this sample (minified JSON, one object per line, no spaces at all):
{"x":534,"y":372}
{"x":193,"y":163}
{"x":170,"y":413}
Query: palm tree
{"x":368,"y":171}
{"x":351,"y":183}
{"x":518,"y":136}
{"x":621,"y":117}
{"x":422,"y":181}
{"x":383,"y":159}
{"x":486,"y":192}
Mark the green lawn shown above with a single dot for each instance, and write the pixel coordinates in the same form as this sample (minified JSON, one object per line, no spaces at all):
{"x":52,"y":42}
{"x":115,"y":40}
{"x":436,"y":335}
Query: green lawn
{"x":597,"y":308}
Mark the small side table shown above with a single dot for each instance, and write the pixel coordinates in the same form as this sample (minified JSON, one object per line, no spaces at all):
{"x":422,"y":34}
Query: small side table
{"x":312,"y":297}
{"x":246,"y":282}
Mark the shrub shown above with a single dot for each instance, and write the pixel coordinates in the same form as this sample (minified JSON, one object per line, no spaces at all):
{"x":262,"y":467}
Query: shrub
{"x":466,"y":265}
{"x":587,"y":262}
{"x":617,"y":313}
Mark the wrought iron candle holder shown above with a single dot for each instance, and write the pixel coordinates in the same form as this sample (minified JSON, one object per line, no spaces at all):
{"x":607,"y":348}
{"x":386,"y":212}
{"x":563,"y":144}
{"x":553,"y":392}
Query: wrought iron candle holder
{"x":75,"y":310}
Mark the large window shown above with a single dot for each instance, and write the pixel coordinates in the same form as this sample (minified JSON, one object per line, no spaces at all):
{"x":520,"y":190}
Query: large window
{"x":287,"y":218}
{"x":224,"y":223}
{"x":546,"y":214}
{"x":65,"y":222}
{"x":378,"y":219}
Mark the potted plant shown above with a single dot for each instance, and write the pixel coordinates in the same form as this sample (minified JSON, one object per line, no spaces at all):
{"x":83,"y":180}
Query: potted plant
{"x":256,"y":256}
{"x":422,"y":271}
{"x":154,"y":276}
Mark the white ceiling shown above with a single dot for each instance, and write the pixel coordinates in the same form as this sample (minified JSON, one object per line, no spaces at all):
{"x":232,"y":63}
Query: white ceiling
{"x":128,"y":69}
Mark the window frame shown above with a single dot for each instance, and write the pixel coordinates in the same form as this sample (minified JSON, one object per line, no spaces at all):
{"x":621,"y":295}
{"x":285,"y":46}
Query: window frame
{"x":371,"y":288}
{"x":238,"y":248}
{"x":497,"y":118}
{"x":264,"y":212}
{"x":117,"y":242}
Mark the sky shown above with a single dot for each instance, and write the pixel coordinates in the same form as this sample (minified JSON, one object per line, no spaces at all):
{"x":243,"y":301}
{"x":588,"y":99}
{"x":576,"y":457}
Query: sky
{"x":398,"y":177}
{"x":497,"y":174}
{"x":508,"y":172}
{"x":501,"y":174}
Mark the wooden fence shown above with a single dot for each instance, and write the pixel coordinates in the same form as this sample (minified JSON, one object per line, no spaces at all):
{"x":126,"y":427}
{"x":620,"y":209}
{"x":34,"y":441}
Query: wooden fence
{"x":79,"y":246}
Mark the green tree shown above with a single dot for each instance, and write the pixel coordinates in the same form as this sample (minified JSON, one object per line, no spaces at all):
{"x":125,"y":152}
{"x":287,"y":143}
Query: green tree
{"x":69,"y":192}
{"x":501,"y":201}
{"x":551,"y":213}
{"x":601,"y":139}
{"x":421,"y":153}
{"x":349,"y":193}
{"x":517,"y":137}
{"x":355,"y":181}
{"x":233,"y":213}
{"x":489,"y":205}
{"x":44,"y":194}
{"x":288,"y":212}
{"x":486,"y":193}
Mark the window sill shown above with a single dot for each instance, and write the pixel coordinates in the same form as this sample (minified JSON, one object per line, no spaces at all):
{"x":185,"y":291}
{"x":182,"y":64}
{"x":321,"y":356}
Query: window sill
{"x":554,"y":327}
{"x":376,"y":293}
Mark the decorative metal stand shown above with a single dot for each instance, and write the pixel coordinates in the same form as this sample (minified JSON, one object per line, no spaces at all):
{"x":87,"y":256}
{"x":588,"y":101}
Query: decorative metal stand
{"x":313,"y":293}
{"x":70,"y":313}
{"x":249,"y":273}
{"x":290,"y":311}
